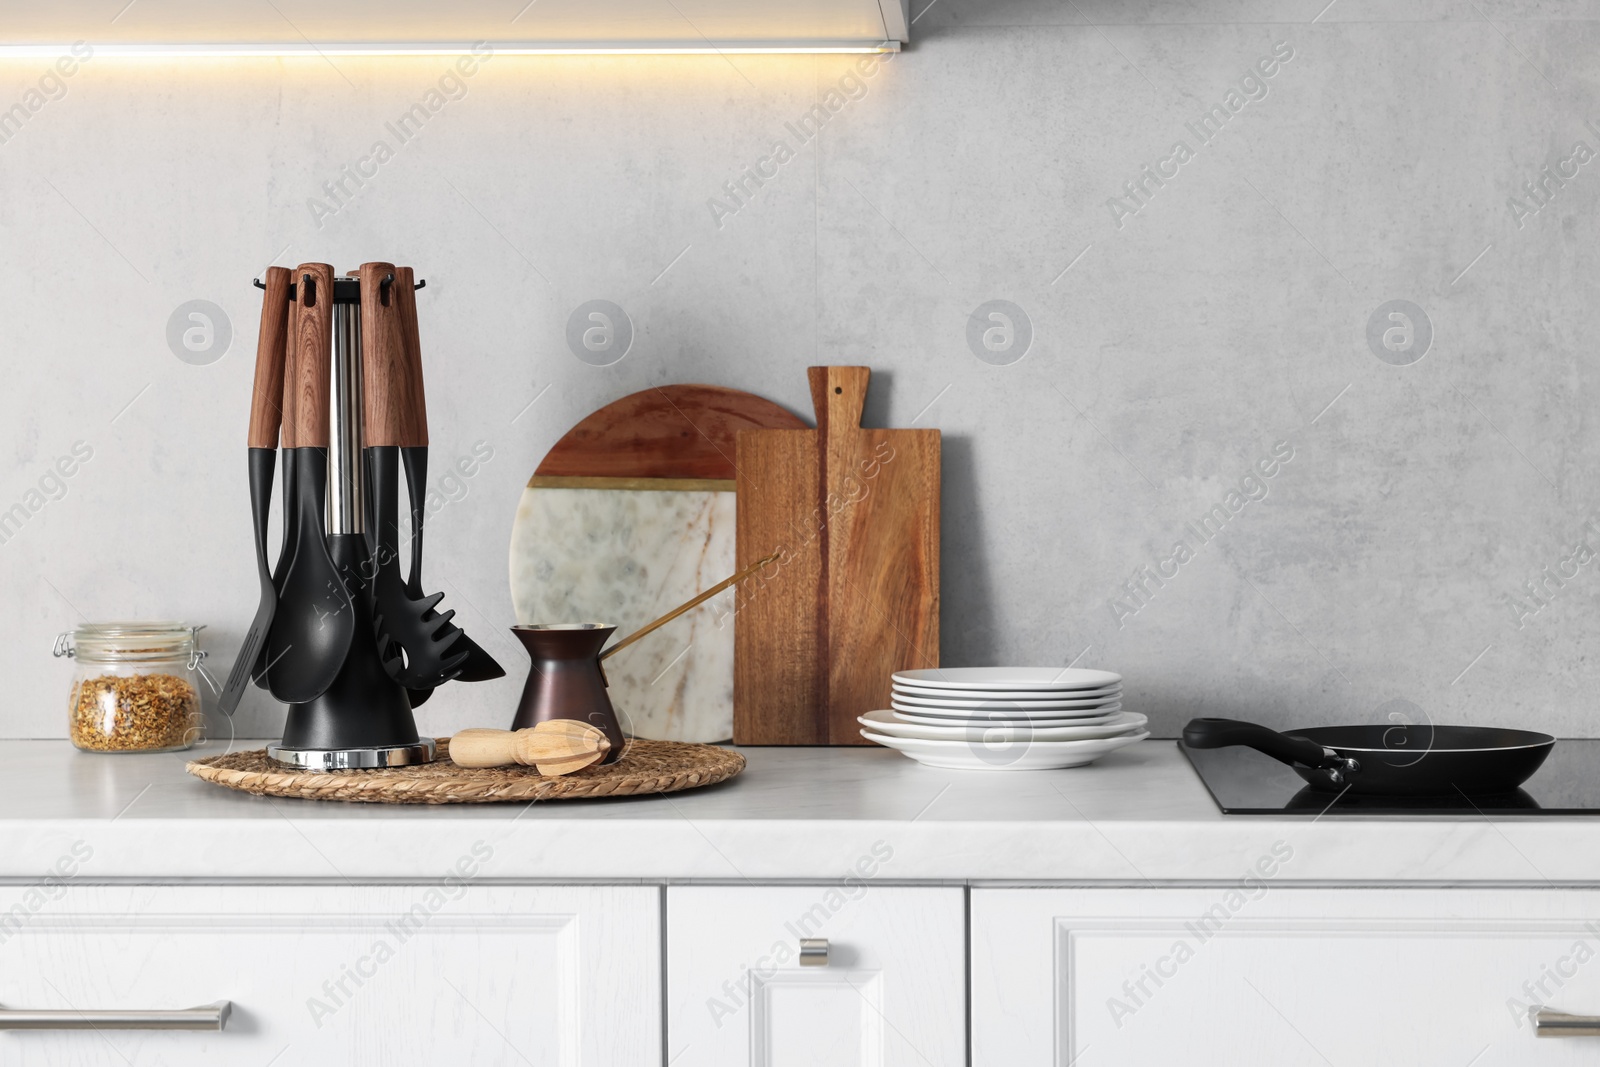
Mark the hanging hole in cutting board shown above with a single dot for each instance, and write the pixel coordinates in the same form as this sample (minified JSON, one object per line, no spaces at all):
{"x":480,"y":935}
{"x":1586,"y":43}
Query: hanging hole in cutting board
{"x":630,"y":514}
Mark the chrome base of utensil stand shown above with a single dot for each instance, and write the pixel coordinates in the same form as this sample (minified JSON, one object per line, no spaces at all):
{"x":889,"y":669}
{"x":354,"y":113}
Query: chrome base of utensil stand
{"x":354,"y":759}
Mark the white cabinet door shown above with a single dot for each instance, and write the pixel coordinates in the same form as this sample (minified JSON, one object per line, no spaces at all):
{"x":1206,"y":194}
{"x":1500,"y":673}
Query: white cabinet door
{"x":319,"y":976}
{"x":1265,"y":974}
{"x":892,"y":994}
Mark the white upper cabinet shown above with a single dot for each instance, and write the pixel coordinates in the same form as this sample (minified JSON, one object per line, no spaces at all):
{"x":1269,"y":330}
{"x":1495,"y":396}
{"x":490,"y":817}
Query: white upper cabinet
{"x":638,"y":23}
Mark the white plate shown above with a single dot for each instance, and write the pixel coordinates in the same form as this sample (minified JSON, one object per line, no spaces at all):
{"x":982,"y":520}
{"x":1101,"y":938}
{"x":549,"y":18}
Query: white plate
{"x":1028,"y":696}
{"x":1002,"y":714}
{"x":1049,"y":679}
{"x":1037,"y":724}
{"x":886,"y":722}
{"x":952,"y":700}
{"x":1007,"y":756}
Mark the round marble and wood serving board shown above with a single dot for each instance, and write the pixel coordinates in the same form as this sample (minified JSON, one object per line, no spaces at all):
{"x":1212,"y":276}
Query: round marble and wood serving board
{"x":646,"y":767}
{"x":629,"y":515}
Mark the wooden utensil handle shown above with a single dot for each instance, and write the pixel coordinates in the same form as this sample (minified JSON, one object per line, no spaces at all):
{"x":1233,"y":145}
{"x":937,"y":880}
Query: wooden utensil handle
{"x":413,"y":404}
{"x":383,"y":376}
{"x":306,"y":416}
{"x":291,"y":359}
{"x":266,"y":397}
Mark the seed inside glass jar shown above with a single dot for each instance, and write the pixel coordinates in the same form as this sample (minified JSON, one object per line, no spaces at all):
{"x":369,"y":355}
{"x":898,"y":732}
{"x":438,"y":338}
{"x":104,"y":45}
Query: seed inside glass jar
{"x":141,"y":711}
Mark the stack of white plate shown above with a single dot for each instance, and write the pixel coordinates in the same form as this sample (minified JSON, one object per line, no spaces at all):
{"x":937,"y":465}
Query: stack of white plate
{"x":1005,"y":718}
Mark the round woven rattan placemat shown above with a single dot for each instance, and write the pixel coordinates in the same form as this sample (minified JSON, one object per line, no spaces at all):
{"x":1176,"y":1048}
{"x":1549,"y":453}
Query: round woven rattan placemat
{"x":645,"y":767}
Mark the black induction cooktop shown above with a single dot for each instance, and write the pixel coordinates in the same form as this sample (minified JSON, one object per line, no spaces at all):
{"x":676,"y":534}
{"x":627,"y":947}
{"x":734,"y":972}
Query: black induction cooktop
{"x":1244,"y":782}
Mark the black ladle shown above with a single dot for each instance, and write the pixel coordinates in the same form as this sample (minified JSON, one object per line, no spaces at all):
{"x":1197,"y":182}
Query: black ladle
{"x":314,"y":623}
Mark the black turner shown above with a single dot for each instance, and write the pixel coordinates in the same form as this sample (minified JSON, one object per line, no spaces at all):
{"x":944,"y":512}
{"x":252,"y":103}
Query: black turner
{"x":266,"y":415}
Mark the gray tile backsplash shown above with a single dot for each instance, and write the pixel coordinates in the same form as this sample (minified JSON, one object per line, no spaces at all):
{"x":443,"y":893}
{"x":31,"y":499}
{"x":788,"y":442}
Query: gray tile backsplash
{"x":1202,"y":304}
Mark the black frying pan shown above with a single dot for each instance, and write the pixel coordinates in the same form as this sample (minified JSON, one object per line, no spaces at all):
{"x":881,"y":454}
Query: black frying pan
{"x":1393,"y":760}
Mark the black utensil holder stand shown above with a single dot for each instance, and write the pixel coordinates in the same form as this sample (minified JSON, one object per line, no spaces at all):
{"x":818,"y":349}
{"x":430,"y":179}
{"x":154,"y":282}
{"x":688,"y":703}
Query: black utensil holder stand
{"x":364,"y":718}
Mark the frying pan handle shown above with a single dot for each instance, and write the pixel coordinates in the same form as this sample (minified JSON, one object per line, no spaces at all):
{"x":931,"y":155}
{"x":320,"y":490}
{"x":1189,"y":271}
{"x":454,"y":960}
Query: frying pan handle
{"x":1221,"y":733}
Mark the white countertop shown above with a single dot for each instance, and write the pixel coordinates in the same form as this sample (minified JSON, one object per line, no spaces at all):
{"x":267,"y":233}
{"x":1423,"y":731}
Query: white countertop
{"x":1141,"y":815}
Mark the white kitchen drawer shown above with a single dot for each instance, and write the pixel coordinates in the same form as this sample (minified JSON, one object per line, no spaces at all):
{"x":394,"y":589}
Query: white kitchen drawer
{"x":1280,"y":976}
{"x":477,"y":974}
{"x":892,"y":994}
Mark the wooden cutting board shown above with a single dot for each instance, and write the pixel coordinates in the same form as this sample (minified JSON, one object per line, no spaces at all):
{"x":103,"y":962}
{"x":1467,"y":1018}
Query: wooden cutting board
{"x":630,"y":514}
{"x":854,"y":596}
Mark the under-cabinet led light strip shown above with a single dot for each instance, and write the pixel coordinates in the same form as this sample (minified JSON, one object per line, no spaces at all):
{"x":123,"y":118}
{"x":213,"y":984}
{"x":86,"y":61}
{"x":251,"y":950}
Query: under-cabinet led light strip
{"x":158,"y":50}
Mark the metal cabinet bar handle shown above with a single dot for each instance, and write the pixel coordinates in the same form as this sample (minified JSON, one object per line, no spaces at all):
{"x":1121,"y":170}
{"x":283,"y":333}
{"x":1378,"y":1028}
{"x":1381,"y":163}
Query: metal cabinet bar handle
{"x":205,"y":1017}
{"x":813,"y":952}
{"x":1547,"y":1023}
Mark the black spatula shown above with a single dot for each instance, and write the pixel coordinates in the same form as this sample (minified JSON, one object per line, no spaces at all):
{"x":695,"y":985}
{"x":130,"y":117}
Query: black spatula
{"x":266,"y":415}
{"x":288,"y":532}
{"x":286,"y":549}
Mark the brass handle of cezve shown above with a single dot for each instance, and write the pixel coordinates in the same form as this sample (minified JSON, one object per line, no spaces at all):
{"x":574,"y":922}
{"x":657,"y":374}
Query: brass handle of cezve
{"x":266,"y":397}
{"x":695,"y":602}
{"x":413,"y":403}
{"x":306,"y":379}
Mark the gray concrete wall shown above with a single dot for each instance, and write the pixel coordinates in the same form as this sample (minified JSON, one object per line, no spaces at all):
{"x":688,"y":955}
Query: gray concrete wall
{"x":1184,"y":334}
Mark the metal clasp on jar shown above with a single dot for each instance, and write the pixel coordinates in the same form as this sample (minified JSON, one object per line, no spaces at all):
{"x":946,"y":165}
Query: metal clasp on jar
{"x":63,"y":645}
{"x":197,"y":657}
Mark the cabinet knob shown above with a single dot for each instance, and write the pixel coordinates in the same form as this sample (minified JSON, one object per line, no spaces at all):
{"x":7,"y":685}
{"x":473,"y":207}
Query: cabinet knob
{"x":813,"y":952}
{"x":1547,"y":1023}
